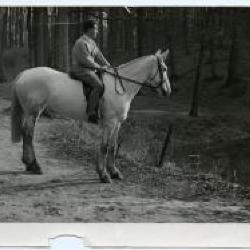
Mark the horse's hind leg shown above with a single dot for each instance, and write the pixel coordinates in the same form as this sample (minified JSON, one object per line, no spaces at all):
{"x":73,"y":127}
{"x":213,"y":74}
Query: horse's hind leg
{"x":29,"y":158}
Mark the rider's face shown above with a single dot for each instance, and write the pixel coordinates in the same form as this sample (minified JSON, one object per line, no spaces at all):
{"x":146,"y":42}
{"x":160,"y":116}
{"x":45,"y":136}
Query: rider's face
{"x":93,"y":32}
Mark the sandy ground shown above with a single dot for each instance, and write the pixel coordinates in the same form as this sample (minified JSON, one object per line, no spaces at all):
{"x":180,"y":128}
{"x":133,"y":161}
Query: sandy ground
{"x":69,"y":190}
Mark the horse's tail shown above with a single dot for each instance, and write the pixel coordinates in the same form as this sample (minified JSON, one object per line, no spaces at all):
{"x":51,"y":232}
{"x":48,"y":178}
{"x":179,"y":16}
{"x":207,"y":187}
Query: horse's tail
{"x":16,"y":117}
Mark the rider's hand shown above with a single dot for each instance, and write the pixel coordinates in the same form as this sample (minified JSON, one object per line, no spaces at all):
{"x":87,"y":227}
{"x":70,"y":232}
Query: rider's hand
{"x":103,"y":68}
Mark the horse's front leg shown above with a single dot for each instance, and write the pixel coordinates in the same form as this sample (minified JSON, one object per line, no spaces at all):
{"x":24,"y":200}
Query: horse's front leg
{"x":113,"y":170}
{"x":108,"y":130}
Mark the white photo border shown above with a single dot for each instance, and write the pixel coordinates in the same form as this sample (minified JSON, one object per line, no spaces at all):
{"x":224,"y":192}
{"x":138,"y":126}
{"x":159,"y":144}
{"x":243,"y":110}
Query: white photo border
{"x":27,"y":236}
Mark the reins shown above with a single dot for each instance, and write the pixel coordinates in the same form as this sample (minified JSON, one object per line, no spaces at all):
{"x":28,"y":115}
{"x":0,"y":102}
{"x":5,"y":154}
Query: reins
{"x":143,"y":84}
{"x":120,"y":80}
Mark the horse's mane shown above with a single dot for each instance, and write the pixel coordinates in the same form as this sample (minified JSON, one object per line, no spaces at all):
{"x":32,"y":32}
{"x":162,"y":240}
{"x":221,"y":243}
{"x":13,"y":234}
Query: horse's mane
{"x":131,"y":62}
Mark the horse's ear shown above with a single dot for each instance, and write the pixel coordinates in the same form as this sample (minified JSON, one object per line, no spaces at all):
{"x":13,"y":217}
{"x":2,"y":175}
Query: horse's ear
{"x":158,"y":52}
{"x":165,"y":54}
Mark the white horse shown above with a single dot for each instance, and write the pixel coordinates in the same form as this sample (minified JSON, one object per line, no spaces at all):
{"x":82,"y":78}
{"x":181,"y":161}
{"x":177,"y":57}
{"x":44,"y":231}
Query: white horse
{"x":38,"y":88}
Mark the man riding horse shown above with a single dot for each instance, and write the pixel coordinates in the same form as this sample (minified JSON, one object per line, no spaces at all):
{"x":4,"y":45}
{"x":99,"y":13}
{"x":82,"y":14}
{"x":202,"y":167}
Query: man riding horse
{"x":87,"y":60}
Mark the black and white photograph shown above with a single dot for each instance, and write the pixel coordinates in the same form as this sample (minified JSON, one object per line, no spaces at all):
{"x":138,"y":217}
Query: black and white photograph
{"x":124,"y":114}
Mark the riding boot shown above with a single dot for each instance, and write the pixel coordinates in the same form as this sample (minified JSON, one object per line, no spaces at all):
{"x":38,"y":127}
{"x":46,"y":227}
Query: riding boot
{"x":93,"y":105}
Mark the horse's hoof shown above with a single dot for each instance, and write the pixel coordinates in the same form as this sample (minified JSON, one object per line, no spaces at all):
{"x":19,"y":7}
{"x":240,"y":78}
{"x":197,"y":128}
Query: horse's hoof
{"x":34,"y":168}
{"x":105,"y":178}
{"x":37,"y":171}
{"x":117,"y":175}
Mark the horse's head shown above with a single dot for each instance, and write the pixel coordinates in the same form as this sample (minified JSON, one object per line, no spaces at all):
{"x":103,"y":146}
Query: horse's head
{"x":161,"y":77}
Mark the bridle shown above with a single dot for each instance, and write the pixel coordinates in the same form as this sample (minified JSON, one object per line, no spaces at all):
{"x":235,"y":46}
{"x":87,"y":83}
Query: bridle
{"x":146,"y":83}
{"x":159,"y":70}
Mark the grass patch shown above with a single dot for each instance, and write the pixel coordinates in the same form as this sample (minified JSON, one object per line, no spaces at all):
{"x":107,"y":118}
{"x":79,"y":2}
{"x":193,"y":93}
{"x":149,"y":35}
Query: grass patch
{"x":191,"y":169}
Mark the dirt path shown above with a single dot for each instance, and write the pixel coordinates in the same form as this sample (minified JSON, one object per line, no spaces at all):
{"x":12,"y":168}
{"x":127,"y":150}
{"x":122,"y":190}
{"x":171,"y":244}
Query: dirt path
{"x":69,"y":191}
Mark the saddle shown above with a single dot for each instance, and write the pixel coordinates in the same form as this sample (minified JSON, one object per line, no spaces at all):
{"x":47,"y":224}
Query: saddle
{"x":86,"y":89}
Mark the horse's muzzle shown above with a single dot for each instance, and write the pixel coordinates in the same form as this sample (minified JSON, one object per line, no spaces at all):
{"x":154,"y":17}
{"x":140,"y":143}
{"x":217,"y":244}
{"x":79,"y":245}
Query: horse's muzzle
{"x":163,"y":92}
{"x":166,"y":91}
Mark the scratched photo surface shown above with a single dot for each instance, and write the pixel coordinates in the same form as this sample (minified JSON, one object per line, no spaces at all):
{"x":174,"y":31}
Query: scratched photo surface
{"x":124,"y":114}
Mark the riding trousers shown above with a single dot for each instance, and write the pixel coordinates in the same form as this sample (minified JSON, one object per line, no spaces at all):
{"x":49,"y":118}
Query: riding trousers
{"x":92,"y":80}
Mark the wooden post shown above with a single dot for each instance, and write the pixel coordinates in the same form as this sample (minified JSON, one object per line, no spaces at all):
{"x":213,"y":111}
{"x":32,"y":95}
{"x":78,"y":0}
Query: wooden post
{"x":165,"y":146}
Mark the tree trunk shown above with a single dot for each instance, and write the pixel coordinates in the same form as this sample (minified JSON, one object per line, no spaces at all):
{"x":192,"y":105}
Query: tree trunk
{"x":3,"y":13}
{"x":186,"y":20}
{"x":101,"y":30}
{"x":214,"y":30}
{"x":139,"y":31}
{"x":194,"y":105}
{"x":30,"y":35}
{"x":63,"y":40}
{"x":37,"y":36}
{"x":195,"y":99}
{"x":172,"y":69}
{"x":238,"y":69}
{"x":232,"y":55}
{"x":41,"y":37}
{"x":112,"y":34}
